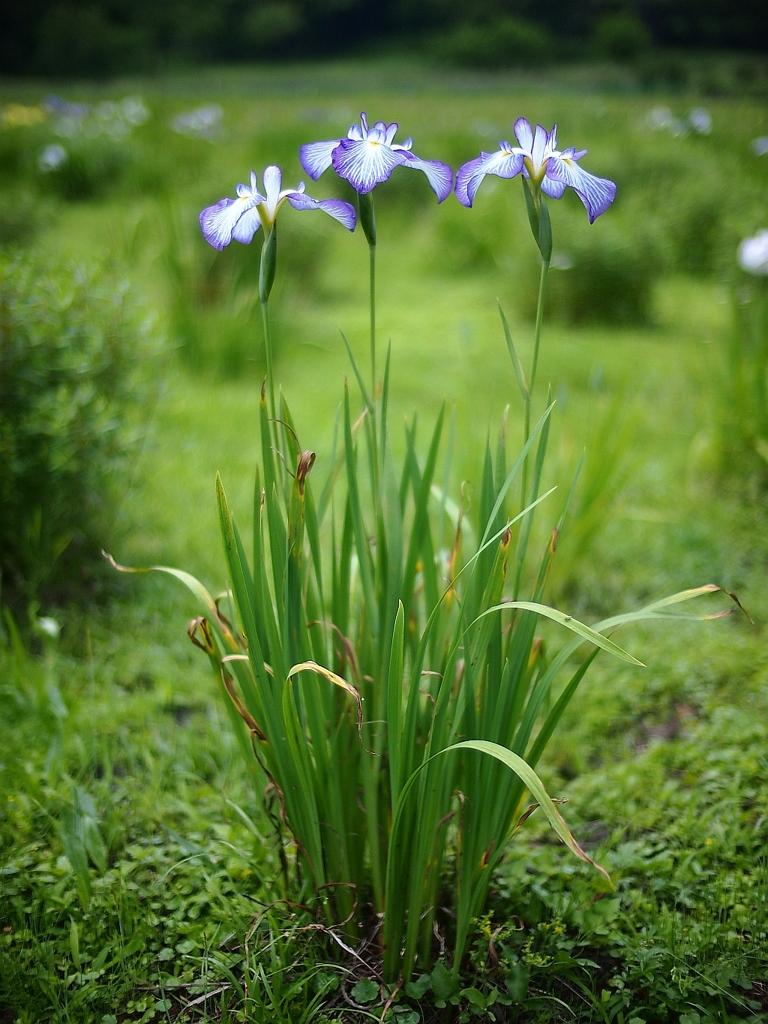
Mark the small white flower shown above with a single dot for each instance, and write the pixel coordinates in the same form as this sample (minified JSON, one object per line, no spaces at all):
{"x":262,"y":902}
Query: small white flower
{"x":134,"y":111}
{"x":753,"y":254}
{"x":700,"y":120}
{"x":49,"y":626}
{"x":759,"y":146}
{"x":201,"y":123}
{"x":659,"y":118}
{"x":52,"y":157}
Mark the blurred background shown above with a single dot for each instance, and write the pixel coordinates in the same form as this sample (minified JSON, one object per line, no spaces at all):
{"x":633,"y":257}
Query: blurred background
{"x":46,"y":37}
{"x":120,"y":121}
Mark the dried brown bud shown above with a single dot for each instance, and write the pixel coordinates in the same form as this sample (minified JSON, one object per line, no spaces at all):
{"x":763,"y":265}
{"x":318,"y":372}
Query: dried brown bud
{"x":202,"y":626}
{"x":306,"y":462}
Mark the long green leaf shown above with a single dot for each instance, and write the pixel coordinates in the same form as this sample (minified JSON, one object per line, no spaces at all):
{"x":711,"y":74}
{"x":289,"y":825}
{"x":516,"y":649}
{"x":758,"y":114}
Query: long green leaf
{"x":570,"y":623}
{"x":515,"y":470}
{"x":522,"y":383}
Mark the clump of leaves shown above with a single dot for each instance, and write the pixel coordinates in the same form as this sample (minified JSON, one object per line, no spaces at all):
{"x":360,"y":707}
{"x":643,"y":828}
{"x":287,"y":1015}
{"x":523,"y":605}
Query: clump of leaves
{"x":74,"y":373}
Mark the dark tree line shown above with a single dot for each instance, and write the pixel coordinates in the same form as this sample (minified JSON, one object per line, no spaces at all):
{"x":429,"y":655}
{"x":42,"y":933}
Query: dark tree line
{"x":103,"y":37}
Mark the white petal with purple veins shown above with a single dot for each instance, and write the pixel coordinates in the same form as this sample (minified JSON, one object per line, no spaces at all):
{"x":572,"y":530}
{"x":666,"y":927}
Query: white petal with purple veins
{"x":553,"y":189}
{"x":315,"y":157}
{"x":365,"y":164}
{"x":524,"y":133}
{"x":439,"y":175}
{"x":247,"y":226}
{"x":597,"y":194}
{"x":504,"y":164}
{"x":273,"y":179}
{"x":540,"y":140}
{"x":343,"y":212}
{"x":336,"y":208}
{"x":218,"y":221}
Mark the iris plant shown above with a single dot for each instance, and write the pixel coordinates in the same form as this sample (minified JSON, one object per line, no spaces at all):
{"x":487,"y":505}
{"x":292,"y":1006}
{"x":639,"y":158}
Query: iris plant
{"x":391,"y":699}
{"x":239,"y":220}
{"x":365,"y":158}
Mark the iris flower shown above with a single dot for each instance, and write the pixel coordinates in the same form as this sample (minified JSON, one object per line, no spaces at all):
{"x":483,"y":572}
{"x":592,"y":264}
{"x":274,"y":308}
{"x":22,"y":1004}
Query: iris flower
{"x":369,"y":155}
{"x":241,"y":218}
{"x":539,"y":160}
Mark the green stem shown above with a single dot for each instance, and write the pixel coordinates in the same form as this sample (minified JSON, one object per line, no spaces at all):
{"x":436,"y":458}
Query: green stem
{"x":268,"y":350}
{"x":534,"y":365}
{"x":372,"y":268}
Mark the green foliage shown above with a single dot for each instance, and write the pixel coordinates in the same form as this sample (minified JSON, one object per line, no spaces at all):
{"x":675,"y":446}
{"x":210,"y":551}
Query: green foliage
{"x":76,"y":365}
{"x":599,"y":276}
{"x":742,"y":411}
{"x":92,"y":168}
{"x":19,"y":218}
{"x":621,"y":36}
{"x":96,"y":39}
{"x":502,"y":43}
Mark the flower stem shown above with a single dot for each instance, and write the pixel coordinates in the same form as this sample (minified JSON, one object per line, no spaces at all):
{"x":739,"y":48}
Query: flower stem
{"x":367,"y":216}
{"x":536,"y":342}
{"x":534,"y":365}
{"x":372,"y":268}
{"x":268,"y":350}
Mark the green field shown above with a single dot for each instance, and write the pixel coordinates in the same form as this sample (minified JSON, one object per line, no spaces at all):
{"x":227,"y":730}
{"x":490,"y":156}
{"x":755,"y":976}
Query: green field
{"x":665,"y":767}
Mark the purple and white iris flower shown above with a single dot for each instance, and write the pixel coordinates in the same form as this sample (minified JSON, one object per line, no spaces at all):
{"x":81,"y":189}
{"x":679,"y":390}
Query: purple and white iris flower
{"x":369,"y":155}
{"x":548,"y":169}
{"x":241,"y":218}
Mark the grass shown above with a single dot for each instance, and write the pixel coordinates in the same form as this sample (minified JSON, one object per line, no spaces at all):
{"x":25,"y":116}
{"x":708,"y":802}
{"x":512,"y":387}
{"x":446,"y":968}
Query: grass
{"x":664,"y":768}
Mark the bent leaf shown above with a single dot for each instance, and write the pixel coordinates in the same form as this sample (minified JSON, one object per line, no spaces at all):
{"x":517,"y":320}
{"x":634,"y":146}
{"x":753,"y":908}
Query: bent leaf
{"x":569,"y":622}
{"x":192,"y":584}
{"x":326,"y":673}
{"x":527,"y":776}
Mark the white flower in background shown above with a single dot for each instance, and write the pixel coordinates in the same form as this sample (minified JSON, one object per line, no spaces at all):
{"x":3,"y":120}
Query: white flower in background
{"x":700,"y":120}
{"x":115,"y":119}
{"x":134,"y":111}
{"x":51,"y":158}
{"x":753,"y":254}
{"x":63,"y":108}
{"x":108,"y":120}
{"x":50,"y":626}
{"x":200,"y":123}
{"x":759,"y":146}
{"x":659,"y":118}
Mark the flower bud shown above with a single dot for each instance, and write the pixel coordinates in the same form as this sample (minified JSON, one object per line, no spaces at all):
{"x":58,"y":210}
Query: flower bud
{"x":268,"y":264}
{"x":367,"y":217}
